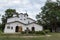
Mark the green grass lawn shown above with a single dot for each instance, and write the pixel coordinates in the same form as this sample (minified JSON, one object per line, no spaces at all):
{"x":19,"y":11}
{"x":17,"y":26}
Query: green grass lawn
{"x":54,"y":36}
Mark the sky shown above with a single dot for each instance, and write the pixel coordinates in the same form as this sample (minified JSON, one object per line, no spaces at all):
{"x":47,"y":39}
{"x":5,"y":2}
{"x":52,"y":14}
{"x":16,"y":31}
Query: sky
{"x":32,"y":7}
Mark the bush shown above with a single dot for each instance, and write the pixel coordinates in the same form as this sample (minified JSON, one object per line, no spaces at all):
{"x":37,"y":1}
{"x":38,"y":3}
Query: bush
{"x":35,"y":32}
{"x":47,"y":31}
{"x":0,"y":31}
{"x":23,"y":32}
{"x":40,"y":32}
{"x":31,"y":32}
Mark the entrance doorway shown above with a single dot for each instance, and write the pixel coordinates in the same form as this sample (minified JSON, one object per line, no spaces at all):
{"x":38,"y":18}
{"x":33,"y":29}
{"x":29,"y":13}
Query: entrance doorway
{"x":33,"y":28}
{"x":18,"y":29}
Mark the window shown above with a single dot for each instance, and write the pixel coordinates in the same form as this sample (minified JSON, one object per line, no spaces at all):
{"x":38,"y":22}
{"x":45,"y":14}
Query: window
{"x":20,"y":19}
{"x":24,"y":15}
{"x":11,"y":27}
{"x":24,"y":19}
{"x":8,"y":27}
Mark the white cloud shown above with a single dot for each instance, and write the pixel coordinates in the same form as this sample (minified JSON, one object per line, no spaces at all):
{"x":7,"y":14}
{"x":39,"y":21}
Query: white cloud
{"x":54,"y":0}
{"x":16,"y":1}
{"x":31,"y":6}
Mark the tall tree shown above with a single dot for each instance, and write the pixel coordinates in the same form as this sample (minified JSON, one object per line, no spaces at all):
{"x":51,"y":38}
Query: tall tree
{"x":50,"y":15}
{"x":8,"y":13}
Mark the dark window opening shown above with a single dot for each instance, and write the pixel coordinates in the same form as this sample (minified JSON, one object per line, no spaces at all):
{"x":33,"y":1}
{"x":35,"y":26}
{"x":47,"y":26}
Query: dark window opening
{"x":20,"y":19}
{"x":11,"y":27}
{"x":24,"y":19}
{"x":8,"y":27}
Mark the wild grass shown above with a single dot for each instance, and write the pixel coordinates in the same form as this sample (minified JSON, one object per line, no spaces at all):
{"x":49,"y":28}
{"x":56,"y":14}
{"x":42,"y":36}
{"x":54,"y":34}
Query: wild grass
{"x":54,"y":36}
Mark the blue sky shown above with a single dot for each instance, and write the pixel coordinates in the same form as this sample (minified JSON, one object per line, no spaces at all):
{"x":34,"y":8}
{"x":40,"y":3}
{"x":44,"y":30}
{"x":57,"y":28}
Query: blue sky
{"x":32,"y":7}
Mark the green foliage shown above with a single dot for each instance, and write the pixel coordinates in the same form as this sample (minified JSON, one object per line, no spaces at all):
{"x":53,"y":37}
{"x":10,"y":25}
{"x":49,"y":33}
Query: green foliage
{"x":8,"y":13}
{"x":1,"y":31}
{"x":53,"y":36}
{"x":40,"y":32}
{"x":36,"y":32}
{"x":50,"y":15}
{"x":23,"y":32}
{"x":1,"y":27}
{"x":47,"y":31}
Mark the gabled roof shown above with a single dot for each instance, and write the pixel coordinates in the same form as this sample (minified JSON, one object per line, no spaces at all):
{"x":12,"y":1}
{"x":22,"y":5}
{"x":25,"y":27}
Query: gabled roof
{"x":16,"y":21}
{"x":23,"y":23}
{"x":20,"y":22}
{"x":31,"y":19}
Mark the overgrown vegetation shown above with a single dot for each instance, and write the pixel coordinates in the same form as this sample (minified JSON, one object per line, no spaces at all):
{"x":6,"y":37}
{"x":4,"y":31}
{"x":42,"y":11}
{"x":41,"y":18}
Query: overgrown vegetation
{"x":38,"y":32}
{"x":8,"y":13}
{"x":49,"y":17}
{"x":54,"y":36}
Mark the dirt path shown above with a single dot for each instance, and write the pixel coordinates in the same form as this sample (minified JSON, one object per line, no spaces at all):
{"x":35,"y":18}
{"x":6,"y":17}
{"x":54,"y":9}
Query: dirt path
{"x":26,"y":36}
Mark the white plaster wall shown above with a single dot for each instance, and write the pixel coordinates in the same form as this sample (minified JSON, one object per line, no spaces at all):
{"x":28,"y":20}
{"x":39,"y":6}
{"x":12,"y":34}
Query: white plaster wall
{"x":12,"y":19}
{"x":30,"y":21}
{"x":14,"y":27}
{"x":18,"y":19}
{"x":26,"y":19}
{"x":37,"y":27}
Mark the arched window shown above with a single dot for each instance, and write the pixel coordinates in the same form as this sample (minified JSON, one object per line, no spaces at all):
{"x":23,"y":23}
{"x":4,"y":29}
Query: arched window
{"x":11,"y":27}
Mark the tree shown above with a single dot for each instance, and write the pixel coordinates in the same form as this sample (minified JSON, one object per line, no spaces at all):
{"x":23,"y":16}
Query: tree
{"x":8,"y":13}
{"x":50,"y":15}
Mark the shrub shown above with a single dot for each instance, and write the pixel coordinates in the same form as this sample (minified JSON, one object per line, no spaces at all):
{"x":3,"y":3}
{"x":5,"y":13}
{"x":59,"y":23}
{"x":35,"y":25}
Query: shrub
{"x":40,"y":32}
{"x":0,"y":31}
{"x":35,"y":32}
{"x":23,"y":32}
{"x":31,"y":32}
{"x":47,"y":31}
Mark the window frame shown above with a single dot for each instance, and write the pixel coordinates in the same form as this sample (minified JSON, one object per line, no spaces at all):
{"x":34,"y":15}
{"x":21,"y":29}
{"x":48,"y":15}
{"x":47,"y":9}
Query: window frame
{"x":8,"y":27}
{"x":11,"y":27}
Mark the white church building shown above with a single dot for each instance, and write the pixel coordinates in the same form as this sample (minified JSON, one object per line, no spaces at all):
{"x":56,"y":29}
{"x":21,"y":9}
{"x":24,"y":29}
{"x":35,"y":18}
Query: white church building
{"x":18,"y":24}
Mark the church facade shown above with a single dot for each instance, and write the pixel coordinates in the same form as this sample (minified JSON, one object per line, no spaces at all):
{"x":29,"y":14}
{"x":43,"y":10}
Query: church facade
{"x":21,"y":23}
